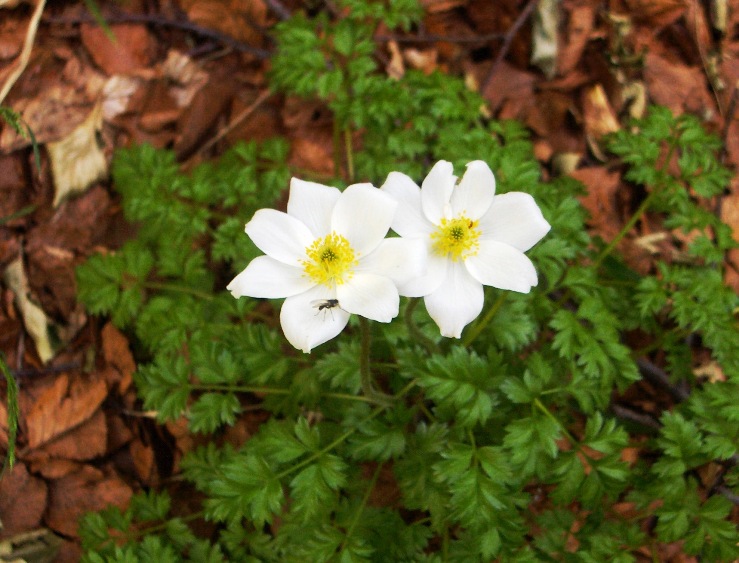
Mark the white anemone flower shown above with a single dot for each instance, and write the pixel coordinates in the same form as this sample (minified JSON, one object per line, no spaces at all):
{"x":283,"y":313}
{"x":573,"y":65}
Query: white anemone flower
{"x":329,"y":257}
{"x":472,"y":236}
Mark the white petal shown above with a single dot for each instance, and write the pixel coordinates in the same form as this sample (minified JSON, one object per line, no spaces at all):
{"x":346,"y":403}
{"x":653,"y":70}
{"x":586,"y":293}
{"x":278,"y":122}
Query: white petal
{"x":436,"y":190}
{"x":304,"y":326}
{"x":279,"y":235}
{"x":268,"y":278}
{"x":399,"y":259}
{"x":502,"y":266}
{"x":456,"y":302}
{"x":515,"y":219}
{"x":312,"y":204}
{"x":363,"y":214}
{"x":409,"y":219}
{"x":372,"y":296}
{"x":474,"y":194}
{"x":436,"y":271}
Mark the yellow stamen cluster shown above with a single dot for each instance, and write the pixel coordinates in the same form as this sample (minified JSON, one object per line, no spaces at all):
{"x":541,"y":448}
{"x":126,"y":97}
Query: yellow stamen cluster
{"x":457,"y":238}
{"x":331,"y":260}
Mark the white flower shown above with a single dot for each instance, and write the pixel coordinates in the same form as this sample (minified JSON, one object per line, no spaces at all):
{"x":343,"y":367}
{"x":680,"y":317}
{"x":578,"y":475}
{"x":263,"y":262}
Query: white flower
{"x":473,"y":238}
{"x":328,"y":256}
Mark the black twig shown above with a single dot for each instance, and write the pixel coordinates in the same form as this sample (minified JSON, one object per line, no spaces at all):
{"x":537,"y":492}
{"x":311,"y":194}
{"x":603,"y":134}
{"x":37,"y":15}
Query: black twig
{"x":509,"y":36}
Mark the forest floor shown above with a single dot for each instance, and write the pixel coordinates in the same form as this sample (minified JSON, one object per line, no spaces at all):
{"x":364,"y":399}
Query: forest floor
{"x":191,"y":75}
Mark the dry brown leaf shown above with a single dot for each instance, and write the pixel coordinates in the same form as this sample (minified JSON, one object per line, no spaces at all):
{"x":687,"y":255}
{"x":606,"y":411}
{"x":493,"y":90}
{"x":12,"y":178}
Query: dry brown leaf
{"x":118,"y":355}
{"x":239,"y":19}
{"x":580,"y":23}
{"x":22,"y":501}
{"x":132,"y":49}
{"x":85,"y":442}
{"x":424,"y":60}
{"x":87,"y":490}
{"x":63,"y":406}
{"x":679,"y":87}
{"x":600,"y":200}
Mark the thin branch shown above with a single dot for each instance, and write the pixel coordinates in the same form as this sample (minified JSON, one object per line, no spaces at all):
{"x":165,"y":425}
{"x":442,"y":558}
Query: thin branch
{"x":431,"y":38}
{"x":183,"y":25}
{"x":509,"y":36}
{"x":659,"y":377}
{"x":637,"y":417}
{"x":25,"y":55}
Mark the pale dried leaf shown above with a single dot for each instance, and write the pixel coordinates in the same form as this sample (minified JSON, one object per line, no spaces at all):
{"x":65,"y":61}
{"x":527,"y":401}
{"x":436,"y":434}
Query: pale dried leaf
{"x":544,"y":37}
{"x":34,"y":318}
{"x":78,"y":160}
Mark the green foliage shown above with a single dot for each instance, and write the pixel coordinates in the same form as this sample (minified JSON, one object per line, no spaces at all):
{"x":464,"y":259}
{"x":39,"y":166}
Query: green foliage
{"x":12,"y":412}
{"x":506,"y":445}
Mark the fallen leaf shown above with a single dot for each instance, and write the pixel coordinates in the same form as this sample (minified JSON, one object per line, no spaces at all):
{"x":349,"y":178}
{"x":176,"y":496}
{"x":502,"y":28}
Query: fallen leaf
{"x":599,"y":118}
{"x":117,"y":354}
{"x":132,"y":49}
{"x":600,"y":200}
{"x":62,"y":406}
{"x":22,"y":501}
{"x":544,"y":37}
{"x":579,"y":27}
{"x":84,"y":491}
{"x":86,"y":441}
{"x":395,"y":68}
{"x":78,"y":159}
{"x":34,"y":318}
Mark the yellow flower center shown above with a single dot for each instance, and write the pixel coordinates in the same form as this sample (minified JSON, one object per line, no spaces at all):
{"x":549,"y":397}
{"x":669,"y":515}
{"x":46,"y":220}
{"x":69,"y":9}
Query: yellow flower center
{"x":456,"y":239}
{"x":331,"y":260}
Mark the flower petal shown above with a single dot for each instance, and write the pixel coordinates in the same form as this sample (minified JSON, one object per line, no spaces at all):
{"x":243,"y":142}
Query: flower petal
{"x":268,"y":278}
{"x":399,"y":259}
{"x":456,"y":302}
{"x":363,"y":214}
{"x":474,"y":194}
{"x":372,"y":296}
{"x":515,"y":219}
{"x":304,"y":326}
{"x":409,"y":220}
{"x":312,"y":204}
{"x":279,"y":235}
{"x":435,"y":272}
{"x":502,"y":266}
{"x":436,"y":190}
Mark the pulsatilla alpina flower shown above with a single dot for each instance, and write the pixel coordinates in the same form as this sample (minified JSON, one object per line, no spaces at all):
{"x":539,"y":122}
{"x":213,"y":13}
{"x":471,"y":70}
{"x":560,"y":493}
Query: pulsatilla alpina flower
{"x":473,"y":238}
{"x":329,"y":257}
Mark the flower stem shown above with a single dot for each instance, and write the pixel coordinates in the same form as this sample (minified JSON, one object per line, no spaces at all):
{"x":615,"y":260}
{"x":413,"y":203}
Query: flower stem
{"x":475,"y":331}
{"x":413,"y":329}
{"x":365,"y":373}
{"x":360,"y":508}
{"x":349,"y":154}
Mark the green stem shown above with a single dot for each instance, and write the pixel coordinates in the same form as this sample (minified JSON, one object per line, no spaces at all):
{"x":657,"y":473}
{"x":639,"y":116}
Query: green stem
{"x":360,"y":508}
{"x":475,"y":331}
{"x":413,"y":329}
{"x":365,"y":374}
{"x":179,"y":289}
{"x":626,"y":228}
{"x":539,"y":405}
{"x":28,"y":209}
{"x":277,"y":391}
{"x":348,"y":146}
{"x":13,"y":412}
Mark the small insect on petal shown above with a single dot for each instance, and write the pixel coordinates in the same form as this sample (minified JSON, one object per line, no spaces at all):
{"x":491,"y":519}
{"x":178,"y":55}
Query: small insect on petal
{"x":324,"y":305}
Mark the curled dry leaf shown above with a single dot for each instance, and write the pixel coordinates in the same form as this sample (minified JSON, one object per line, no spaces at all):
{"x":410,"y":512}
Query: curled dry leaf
{"x":599,"y":118}
{"x":34,"y":318}
{"x":78,"y":159}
